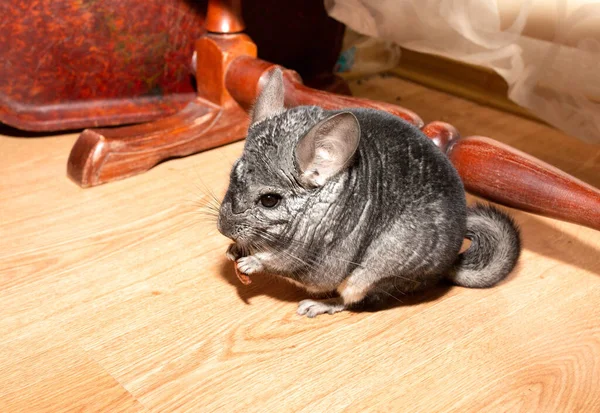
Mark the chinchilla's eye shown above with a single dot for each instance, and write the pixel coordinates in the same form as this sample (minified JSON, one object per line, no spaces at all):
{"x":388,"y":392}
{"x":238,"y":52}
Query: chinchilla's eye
{"x":270,"y":200}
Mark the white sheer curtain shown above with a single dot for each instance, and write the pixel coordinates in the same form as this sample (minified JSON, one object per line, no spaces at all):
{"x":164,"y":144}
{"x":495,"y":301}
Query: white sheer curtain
{"x":548,"y":51}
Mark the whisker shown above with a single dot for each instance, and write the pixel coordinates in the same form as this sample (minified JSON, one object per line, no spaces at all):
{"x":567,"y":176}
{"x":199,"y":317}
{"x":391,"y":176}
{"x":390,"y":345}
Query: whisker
{"x":311,"y":266}
{"x":381,"y":290}
{"x":207,"y":208}
{"x":205,"y":191}
{"x":313,"y":260}
{"x":269,"y":237}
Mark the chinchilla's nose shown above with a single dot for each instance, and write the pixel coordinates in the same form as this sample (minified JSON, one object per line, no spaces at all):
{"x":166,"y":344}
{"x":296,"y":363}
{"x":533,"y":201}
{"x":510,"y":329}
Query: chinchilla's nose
{"x":225,"y":226}
{"x":226,"y":223}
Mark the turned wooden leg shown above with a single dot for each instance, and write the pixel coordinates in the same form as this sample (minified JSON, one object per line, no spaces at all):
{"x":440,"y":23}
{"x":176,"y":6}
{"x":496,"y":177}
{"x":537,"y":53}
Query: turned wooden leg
{"x":508,"y":176}
{"x":246,"y":76}
{"x":505,"y":175}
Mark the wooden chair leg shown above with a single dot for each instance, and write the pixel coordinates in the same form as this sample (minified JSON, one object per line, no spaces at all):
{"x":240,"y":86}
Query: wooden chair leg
{"x":505,"y":175}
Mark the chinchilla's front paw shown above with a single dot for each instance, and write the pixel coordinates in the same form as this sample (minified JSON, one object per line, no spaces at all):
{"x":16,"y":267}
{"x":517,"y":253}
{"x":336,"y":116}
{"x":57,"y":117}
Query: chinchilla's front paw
{"x":249,"y":265}
{"x":233,"y":252}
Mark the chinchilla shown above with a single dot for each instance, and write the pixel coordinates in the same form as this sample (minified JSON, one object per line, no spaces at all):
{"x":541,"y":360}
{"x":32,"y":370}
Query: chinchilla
{"x":357,"y":202}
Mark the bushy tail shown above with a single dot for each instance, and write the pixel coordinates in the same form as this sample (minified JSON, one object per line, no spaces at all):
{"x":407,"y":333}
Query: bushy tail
{"x":494,"y":251}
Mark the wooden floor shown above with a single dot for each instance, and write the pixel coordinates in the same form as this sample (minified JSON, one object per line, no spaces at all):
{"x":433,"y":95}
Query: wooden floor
{"x":119,"y":298}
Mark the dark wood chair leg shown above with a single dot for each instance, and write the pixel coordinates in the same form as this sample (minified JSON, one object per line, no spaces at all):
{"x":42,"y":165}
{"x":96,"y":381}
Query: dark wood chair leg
{"x":505,"y":175}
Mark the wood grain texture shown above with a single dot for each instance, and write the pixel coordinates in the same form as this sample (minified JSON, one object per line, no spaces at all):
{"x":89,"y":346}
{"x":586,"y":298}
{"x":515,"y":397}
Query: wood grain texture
{"x":119,"y":298}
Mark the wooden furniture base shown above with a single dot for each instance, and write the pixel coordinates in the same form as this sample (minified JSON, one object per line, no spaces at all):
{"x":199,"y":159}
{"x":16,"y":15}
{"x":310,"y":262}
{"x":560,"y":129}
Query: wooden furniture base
{"x":229,"y":77}
{"x":214,"y":118}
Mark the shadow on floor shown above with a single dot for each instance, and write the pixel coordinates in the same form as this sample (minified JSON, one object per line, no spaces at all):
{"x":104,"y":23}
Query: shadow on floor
{"x":279,"y":289}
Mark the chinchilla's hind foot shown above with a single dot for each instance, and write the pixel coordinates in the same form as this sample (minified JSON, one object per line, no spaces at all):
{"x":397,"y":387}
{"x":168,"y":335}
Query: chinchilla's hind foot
{"x":312,"y":308}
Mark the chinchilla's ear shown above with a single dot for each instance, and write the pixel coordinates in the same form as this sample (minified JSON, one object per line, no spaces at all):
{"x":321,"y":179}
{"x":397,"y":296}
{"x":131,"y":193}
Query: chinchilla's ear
{"x":270,"y":99}
{"x":327,"y":148}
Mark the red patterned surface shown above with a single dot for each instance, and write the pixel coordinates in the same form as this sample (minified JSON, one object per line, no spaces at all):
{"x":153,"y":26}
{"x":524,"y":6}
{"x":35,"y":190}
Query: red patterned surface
{"x":95,"y":62}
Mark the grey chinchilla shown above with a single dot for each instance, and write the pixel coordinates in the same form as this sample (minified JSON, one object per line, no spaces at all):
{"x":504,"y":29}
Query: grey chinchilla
{"x":355,"y":201}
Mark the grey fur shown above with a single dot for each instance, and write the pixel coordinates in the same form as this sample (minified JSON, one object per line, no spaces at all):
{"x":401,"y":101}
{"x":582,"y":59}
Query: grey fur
{"x":391,"y":219}
{"x":494,"y":250}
